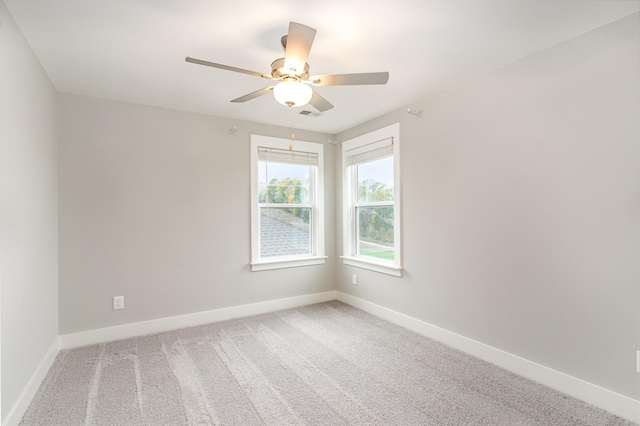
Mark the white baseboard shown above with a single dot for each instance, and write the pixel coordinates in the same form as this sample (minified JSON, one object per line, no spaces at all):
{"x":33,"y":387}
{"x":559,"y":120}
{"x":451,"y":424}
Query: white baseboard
{"x":21,"y":405}
{"x":613,"y":402}
{"x":143,"y":328}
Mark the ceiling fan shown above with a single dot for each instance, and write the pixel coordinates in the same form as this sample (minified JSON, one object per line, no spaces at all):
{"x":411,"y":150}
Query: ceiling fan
{"x":292,"y":73}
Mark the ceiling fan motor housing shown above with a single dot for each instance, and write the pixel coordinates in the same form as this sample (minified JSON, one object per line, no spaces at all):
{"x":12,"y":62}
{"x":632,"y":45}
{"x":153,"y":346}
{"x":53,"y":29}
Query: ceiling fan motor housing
{"x":278,"y":72}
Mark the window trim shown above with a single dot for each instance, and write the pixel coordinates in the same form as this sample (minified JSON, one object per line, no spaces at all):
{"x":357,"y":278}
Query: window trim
{"x":359,"y":145}
{"x":317,"y":207}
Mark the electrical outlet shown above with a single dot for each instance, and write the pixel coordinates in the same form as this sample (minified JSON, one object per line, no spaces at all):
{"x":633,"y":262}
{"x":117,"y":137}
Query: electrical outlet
{"x":118,"y":302}
{"x":354,"y":279}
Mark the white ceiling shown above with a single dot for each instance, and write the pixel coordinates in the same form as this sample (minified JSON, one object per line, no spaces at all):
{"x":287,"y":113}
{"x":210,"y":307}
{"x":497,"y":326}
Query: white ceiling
{"x":134,"y":50}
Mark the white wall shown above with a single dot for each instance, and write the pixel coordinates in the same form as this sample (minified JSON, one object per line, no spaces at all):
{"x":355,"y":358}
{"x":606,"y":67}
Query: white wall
{"x":154,"y":206}
{"x":521,"y":209}
{"x":28,"y":213}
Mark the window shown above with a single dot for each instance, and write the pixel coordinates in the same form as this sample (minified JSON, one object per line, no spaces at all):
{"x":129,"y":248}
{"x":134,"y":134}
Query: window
{"x":287,"y":227}
{"x":372,"y":201}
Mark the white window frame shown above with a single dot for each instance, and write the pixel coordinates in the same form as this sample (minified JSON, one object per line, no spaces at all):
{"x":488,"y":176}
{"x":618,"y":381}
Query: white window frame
{"x":316,"y":203}
{"x":359,"y":145}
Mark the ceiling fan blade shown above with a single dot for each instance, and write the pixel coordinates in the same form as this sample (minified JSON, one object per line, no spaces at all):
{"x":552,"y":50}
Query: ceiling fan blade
{"x":299,"y":41}
{"x":350,"y":79}
{"x":253,"y":95}
{"x":320,"y":103}
{"x":224,"y":67}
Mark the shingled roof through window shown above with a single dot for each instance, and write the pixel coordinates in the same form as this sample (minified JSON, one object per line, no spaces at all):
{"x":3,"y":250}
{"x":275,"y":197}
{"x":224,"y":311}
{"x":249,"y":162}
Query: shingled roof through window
{"x":283,"y":234}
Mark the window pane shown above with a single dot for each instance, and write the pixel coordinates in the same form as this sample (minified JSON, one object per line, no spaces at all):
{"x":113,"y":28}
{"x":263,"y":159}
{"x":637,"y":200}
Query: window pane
{"x":285,"y":231}
{"x":375,"y":231}
{"x":375,"y":180}
{"x":282,"y":183}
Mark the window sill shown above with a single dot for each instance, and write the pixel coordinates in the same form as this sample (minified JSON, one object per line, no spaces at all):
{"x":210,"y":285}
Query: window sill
{"x":396,"y":271}
{"x":288,"y":263}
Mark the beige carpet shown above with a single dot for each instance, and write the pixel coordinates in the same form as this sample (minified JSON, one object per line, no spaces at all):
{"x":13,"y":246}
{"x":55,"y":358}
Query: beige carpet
{"x":325,"y":364}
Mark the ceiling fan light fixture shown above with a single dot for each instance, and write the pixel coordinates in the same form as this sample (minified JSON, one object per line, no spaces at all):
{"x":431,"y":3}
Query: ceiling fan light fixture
{"x":290,"y":74}
{"x":292,"y":93}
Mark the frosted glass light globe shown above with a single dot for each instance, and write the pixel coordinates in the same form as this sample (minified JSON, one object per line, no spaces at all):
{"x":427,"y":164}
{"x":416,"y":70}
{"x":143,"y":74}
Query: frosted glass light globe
{"x":292,"y":93}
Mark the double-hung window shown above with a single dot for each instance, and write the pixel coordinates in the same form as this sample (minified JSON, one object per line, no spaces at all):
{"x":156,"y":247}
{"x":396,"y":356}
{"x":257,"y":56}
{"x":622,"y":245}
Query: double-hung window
{"x":287,"y":228}
{"x":371,"y":218}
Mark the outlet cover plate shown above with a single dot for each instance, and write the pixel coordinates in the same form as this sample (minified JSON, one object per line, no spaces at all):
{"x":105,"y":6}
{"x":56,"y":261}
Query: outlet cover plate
{"x":118,"y":302}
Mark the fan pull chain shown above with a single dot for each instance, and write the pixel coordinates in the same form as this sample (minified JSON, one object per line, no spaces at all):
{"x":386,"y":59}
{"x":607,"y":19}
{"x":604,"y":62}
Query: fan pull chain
{"x":293,"y":136}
